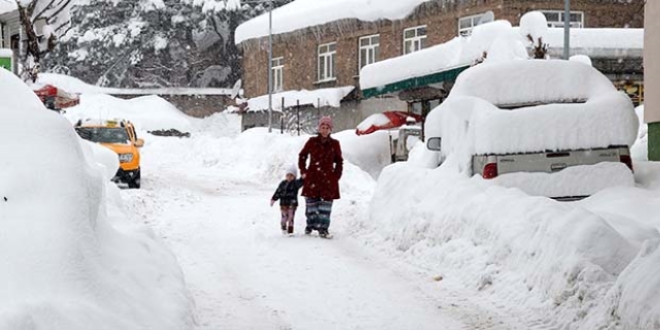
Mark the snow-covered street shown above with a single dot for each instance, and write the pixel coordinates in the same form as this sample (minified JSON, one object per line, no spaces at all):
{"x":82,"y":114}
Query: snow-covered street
{"x":244,"y":274}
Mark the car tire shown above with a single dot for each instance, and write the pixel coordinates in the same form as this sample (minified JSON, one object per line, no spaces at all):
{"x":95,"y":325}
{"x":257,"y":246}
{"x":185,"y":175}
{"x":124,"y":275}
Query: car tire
{"x":135,"y":183}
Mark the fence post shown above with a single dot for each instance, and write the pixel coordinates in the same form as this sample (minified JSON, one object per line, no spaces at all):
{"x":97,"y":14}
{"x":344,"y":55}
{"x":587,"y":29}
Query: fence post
{"x":298,"y":115}
{"x":282,"y":118}
{"x":318,"y":107}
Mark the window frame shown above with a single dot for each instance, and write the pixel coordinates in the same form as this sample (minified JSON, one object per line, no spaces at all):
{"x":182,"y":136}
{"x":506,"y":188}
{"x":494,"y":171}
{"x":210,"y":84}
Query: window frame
{"x":329,"y":56}
{"x":278,"y":79}
{"x":474,"y":19}
{"x":371,"y":49}
{"x":560,"y":15}
{"x":417,"y":39}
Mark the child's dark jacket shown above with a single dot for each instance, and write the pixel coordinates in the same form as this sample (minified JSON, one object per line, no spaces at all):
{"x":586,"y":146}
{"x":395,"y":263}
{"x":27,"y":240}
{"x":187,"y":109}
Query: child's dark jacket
{"x":287,"y":192}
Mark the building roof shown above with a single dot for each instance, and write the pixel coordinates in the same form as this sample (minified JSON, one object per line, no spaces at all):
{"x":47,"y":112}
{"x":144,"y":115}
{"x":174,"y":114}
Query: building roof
{"x":432,"y":65}
{"x":446,"y":61}
{"x":302,"y":14}
{"x":605,"y":42}
{"x":7,"y":6}
{"x":320,"y":97}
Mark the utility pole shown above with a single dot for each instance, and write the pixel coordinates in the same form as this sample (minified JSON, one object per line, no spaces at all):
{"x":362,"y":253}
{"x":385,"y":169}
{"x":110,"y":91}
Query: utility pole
{"x":567,"y":29}
{"x":270,"y":66}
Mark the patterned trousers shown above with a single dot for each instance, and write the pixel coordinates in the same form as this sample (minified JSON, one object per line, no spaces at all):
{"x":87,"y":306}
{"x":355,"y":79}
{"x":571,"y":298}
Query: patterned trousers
{"x":288,"y":213}
{"x":318,"y":214}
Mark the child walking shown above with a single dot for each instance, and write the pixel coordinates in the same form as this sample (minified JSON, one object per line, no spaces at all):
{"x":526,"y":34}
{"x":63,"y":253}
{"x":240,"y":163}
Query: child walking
{"x":287,"y":194}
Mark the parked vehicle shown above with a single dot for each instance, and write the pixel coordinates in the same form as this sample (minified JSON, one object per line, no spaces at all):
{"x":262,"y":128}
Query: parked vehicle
{"x":537,"y":116}
{"x":120,"y":137}
{"x":55,"y":98}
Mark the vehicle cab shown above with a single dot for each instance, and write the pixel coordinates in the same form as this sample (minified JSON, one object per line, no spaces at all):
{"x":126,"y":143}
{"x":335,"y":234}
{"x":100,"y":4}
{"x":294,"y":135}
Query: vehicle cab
{"x":119,"y":136}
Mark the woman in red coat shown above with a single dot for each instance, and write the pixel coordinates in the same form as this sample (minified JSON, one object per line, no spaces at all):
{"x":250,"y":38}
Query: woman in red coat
{"x":322,"y":176}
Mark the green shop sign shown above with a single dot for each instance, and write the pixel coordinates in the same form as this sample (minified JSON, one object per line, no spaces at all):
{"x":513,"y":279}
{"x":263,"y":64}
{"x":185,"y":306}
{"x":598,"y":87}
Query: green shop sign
{"x":5,"y":62}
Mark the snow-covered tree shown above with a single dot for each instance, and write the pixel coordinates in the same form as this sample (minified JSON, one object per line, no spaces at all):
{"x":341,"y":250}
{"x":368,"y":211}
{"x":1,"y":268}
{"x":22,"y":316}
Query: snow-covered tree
{"x":154,"y":43}
{"x":44,"y":22}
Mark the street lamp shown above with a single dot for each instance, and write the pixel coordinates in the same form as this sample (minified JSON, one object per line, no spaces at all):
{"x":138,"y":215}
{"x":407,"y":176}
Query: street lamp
{"x":567,"y":29}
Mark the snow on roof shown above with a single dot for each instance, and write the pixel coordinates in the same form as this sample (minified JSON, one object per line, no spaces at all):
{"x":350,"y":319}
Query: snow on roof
{"x":457,"y":52}
{"x":326,"y":97}
{"x":5,"y":52}
{"x":7,"y":6}
{"x":74,"y":85}
{"x":599,"y":42}
{"x":302,"y":14}
{"x":502,"y":42}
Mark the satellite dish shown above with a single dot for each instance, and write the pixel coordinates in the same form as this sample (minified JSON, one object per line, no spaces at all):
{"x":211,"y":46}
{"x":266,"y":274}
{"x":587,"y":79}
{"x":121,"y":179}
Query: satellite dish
{"x":236,"y":89}
{"x":487,"y":17}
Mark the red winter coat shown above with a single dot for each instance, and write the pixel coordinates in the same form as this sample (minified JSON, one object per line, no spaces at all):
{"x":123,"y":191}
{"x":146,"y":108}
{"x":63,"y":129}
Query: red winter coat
{"x":325,"y":168}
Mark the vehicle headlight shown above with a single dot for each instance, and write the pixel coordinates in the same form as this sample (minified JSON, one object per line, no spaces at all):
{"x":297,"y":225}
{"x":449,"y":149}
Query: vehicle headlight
{"x":125,"y":158}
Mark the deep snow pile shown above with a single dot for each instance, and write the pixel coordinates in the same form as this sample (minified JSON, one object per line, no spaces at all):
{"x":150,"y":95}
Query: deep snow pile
{"x":564,"y":264}
{"x":302,"y":14}
{"x":640,"y":150}
{"x":562,"y":105}
{"x":147,"y":112}
{"x":73,"y":262}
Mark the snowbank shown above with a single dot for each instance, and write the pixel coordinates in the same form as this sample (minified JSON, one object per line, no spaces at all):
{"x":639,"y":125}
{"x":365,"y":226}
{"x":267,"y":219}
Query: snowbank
{"x":558,"y":264}
{"x":147,"y":112}
{"x":572,"y":181}
{"x":640,"y":150}
{"x":68,"y":267}
{"x":369,"y":152}
{"x":302,"y":14}
{"x":325,"y":97}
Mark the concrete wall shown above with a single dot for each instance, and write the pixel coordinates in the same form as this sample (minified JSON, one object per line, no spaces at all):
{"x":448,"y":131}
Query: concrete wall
{"x":652,"y":76}
{"x":193,"y":105}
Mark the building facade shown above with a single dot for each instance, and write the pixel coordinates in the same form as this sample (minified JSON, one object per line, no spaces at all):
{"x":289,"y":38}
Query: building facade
{"x":10,"y":34}
{"x":652,"y":77}
{"x":332,"y":54}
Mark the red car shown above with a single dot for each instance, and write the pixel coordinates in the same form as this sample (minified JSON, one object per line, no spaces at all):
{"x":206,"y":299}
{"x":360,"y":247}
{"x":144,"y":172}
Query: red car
{"x":55,"y":98}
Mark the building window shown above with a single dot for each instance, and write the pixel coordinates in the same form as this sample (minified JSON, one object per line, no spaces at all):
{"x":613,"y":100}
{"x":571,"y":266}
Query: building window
{"x":555,"y":18}
{"x":414,"y":39}
{"x":278,"y":74}
{"x":466,"y":24}
{"x":369,"y":50}
{"x":327,"y":54}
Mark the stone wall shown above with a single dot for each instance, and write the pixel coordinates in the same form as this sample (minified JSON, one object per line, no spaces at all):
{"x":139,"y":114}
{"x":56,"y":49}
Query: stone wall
{"x":300,"y":49}
{"x":193,"y":105}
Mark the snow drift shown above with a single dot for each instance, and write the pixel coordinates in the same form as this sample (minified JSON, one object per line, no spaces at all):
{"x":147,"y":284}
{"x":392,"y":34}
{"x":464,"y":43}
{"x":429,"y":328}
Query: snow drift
{"x":566,"y":265}
{"x":65,"y":265}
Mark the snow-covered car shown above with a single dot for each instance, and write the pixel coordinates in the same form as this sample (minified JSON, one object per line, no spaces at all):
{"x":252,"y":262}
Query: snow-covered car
{"x":549,"y":127}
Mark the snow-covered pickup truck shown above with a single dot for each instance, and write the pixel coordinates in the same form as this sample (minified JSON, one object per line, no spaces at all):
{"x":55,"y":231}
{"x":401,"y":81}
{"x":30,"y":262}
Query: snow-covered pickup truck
{"x":549,"y":127}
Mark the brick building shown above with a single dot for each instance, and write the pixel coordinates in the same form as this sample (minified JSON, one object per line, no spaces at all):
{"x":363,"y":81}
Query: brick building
{"x":652,"y":67}
{"x":331,"y":54}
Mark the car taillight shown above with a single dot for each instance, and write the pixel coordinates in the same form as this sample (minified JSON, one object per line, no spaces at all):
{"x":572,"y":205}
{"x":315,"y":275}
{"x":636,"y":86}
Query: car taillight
{"x":490,"y":171}
{"x":627,"y":160}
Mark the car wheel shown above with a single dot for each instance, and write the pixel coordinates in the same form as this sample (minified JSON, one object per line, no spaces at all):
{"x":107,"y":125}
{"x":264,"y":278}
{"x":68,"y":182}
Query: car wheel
{"x":135,"y":183}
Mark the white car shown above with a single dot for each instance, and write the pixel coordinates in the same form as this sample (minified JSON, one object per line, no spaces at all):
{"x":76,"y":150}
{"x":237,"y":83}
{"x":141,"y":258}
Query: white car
{"x":549,"y":127}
